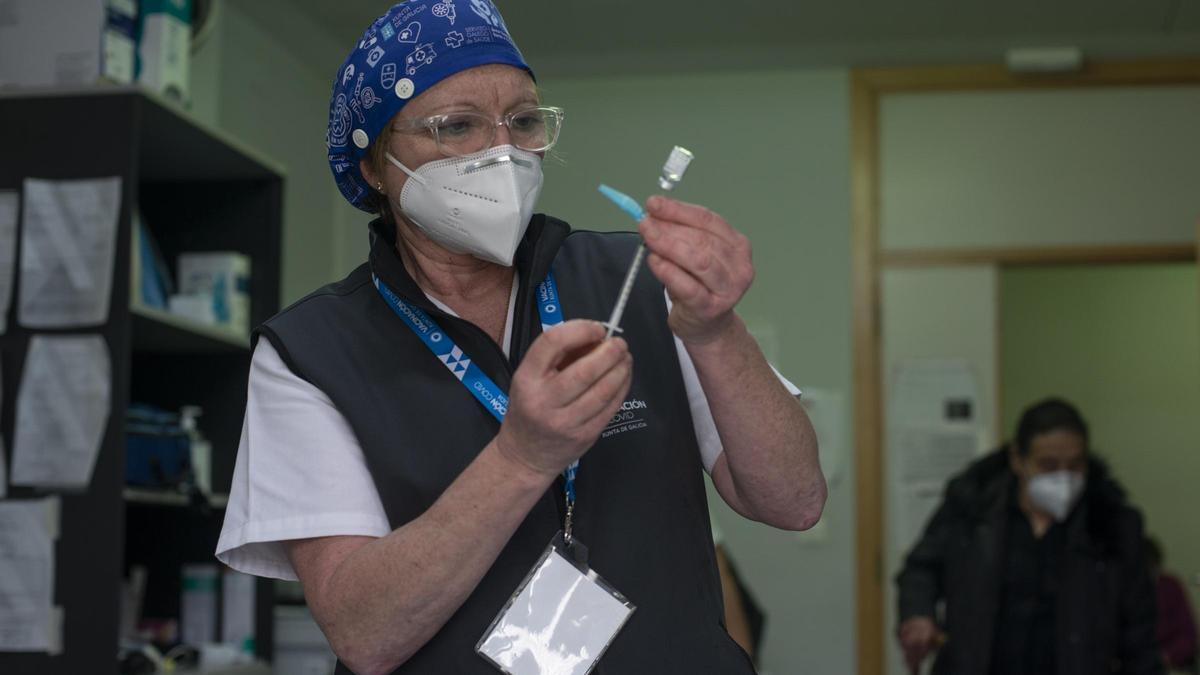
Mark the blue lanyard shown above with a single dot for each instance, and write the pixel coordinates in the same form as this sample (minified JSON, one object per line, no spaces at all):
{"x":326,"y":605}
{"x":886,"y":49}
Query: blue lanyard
{"x":488,"y":393}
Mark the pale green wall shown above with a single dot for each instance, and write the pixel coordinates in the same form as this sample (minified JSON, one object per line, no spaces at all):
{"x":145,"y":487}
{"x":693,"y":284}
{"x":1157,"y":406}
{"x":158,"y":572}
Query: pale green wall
{"x":1121,"y":342}
{"x":1039,"y":167}
{"x":772,"y":156}
{"x":256,"y":80}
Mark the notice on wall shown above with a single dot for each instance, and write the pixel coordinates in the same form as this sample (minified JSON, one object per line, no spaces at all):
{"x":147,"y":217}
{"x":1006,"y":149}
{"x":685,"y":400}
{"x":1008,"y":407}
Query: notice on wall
{"x":920,"y":503}
{"x":927,"y":392}
{"x":934,"y":429}
{"x":827,"y":411}
{"x":932,"y":454}
{"x":62,"y":410}
{"x":927,"y":457}
{"x":8,"y":252}
{"x":29,"y":621}
{"x":933,"y":433}
{"x":68,"y":240}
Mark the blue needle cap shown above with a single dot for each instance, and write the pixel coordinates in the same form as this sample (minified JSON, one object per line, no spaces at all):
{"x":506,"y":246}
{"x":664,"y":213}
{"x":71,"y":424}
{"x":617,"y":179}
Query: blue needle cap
{"x":623,"y":201}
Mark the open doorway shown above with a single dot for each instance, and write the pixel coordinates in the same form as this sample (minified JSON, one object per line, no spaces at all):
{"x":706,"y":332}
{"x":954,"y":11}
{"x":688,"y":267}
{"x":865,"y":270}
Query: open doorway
{"x":970,"y":346}
{"x":963,"y":178}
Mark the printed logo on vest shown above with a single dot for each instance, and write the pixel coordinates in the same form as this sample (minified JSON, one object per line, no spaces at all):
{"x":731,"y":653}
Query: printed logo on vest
{"x":631,"y":416}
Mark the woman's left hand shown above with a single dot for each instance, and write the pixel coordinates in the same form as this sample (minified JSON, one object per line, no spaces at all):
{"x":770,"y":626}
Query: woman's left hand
{"x":703,"y":262}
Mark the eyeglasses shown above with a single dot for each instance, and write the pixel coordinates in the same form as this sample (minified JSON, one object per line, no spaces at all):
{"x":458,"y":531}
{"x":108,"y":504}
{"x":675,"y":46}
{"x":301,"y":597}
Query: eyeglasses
{"x":464,"y":133}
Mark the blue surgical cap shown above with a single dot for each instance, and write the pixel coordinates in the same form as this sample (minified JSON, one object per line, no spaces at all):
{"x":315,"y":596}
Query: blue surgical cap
{"x":412,"y":47}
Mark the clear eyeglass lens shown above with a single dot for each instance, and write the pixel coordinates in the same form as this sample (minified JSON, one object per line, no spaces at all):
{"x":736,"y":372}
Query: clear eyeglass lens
{"x":533,"y":130}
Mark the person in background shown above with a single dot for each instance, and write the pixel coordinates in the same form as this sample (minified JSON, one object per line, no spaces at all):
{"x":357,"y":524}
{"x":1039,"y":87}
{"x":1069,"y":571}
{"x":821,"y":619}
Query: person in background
{"x":1032,"y":564}
{"x":1176,"y":622}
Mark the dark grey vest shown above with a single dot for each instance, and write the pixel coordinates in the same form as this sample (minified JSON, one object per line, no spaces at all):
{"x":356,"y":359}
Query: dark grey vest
{"x":641,"y":506}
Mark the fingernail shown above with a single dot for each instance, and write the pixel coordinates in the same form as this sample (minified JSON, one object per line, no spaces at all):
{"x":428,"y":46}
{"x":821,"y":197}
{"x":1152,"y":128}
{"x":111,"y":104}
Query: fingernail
{"x":654,"y":202}
{"x":649,"y":229}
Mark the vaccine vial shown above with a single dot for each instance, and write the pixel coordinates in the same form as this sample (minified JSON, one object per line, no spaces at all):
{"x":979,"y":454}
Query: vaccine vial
{"x":673,"y":170}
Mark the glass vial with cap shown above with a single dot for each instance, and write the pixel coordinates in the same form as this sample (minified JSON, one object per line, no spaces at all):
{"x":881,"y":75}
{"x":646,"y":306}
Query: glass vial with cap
{"x":673,"y":170}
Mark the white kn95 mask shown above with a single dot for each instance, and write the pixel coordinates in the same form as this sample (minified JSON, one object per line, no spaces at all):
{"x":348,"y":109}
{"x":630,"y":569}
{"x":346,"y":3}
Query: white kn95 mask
{"x":479,"y":204}
{"x":1056,"y":493}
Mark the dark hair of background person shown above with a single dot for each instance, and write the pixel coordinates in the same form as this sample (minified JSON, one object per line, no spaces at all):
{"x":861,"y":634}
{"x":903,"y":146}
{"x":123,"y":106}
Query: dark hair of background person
{"x":1052,"y":414}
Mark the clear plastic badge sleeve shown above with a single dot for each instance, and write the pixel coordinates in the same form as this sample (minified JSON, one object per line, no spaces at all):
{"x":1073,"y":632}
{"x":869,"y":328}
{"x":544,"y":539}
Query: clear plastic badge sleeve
{"x":559,"y":622}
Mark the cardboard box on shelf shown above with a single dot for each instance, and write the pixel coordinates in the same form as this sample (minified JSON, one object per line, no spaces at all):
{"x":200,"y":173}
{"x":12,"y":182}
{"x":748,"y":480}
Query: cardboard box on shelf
{"x":67,"y":42}
{"x":225,"y":278}
{"x":164,"y":47}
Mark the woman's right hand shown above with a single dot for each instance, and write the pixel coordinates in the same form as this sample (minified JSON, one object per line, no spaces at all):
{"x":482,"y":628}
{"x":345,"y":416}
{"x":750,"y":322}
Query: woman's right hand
{"x":919,"y":636}
{"x":559,"y":404}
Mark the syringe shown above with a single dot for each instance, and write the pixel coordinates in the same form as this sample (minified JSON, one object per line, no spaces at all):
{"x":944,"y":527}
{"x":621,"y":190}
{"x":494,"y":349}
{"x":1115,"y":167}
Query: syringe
{"x":630,"y":206}
{"x":672,"y":172}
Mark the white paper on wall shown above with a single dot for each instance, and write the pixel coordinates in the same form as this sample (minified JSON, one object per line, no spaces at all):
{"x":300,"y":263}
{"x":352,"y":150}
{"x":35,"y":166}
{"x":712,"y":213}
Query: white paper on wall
{"x":68,"y":240}
{"x":62,"y":410}
{"x":927,"y":392}
{"x":827,"y":411}
{"x":29,"y":622}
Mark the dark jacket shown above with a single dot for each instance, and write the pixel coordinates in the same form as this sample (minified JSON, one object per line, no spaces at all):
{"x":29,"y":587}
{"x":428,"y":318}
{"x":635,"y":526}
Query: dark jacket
{"x":641,"y":504}
{"x":1105,"y":609}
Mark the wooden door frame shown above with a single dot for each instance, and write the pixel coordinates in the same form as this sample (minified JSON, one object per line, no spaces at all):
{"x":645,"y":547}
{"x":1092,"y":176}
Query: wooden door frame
{"x":867,"y":88}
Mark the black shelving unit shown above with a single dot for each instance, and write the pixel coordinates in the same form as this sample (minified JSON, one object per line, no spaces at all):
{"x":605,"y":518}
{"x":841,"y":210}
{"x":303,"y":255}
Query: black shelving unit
{"x":197,"y":190}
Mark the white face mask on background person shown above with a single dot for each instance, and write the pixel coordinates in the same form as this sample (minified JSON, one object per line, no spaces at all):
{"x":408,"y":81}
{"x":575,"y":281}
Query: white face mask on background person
{"x":479,"y":204}
{"x":1056,"y":493}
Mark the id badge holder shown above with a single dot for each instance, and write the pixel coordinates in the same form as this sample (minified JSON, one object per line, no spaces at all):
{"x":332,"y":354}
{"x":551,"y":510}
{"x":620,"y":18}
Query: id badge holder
{"x":561,"y":619}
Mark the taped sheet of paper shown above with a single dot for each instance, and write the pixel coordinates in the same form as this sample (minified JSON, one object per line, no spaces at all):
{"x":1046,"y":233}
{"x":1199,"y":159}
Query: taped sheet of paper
{"x":68,"y":240}
{"x":933,"y":454}
{"x":934,"y":427}
{"x":920,"y":502}
{"x":827,"y":411}
{"x":62,"y":410}
{"x":8,"y":252}
{"x":925,"y":392}
{"x":934,"y":432}
{"x":29,"y":622}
